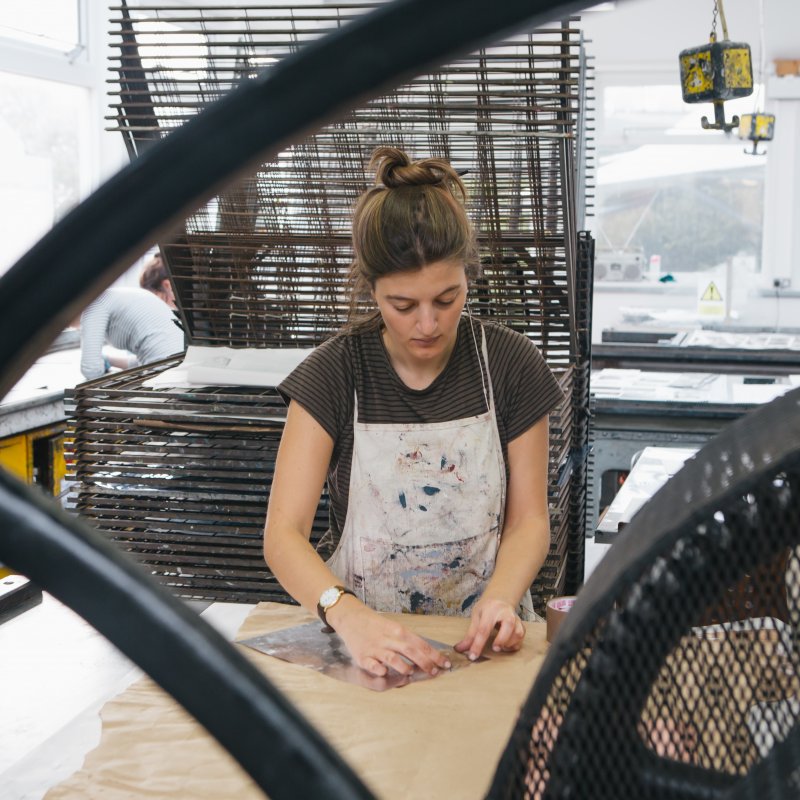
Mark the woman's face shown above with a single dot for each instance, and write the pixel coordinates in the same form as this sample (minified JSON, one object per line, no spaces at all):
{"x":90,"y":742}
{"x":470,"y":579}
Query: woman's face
{"x":421,"y":310}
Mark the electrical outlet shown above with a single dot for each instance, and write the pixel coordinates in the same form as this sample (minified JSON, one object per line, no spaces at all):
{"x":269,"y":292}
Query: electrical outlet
{"x":781,"y":283}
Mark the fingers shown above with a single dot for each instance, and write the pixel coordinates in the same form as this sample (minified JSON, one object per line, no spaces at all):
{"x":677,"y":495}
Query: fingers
{"x":426,"y":657}
{"x":509,"y":636}
{"x":373,"y":666}
{"x":486,"y":619}
{"x":482,"y":634}
{"x":380,"y":645}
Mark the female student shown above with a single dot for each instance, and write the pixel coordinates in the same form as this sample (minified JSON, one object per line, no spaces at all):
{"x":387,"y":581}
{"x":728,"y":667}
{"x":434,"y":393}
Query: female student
{"x":431,"y":429}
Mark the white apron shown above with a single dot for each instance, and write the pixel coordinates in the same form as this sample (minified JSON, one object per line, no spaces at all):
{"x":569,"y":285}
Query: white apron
{"x":425,"y":512}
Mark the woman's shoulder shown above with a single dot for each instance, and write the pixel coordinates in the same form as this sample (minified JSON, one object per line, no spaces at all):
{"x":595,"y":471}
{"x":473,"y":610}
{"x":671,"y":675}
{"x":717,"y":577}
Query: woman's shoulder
{"x":336,"y":360}
{"x":505,"y":340}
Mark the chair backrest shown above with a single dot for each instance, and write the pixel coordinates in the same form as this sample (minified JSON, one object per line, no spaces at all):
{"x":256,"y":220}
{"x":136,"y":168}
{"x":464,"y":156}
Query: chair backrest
{"x":677,"y":672}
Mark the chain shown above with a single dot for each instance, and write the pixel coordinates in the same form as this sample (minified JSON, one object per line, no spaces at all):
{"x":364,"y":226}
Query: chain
{"x":713,"y":35}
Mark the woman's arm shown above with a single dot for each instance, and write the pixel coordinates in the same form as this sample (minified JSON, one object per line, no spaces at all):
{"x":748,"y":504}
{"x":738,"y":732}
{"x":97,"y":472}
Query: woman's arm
{"x":524,"y":544}
{"x":94,"y":323}
{"x":374,"y":641}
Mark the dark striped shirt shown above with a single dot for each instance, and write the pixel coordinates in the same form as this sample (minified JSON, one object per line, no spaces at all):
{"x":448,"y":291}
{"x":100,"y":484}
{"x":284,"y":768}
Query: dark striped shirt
{"x":324,"y":384}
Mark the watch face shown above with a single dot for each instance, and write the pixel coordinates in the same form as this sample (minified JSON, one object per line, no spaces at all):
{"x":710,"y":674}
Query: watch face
{"x":329,"y":596}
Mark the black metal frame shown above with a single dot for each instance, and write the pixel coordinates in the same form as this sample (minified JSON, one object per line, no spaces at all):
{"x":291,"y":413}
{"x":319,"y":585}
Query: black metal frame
{"x":90,"y":247}
{"x":619,"y":667}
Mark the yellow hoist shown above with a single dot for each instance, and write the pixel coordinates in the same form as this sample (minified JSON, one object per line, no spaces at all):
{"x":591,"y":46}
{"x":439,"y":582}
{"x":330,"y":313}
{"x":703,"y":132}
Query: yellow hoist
{"x":716,"y":72}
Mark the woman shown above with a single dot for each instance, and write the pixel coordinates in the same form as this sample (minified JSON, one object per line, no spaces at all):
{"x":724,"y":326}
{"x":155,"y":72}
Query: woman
{"x":155,"y":279}
{"x":131,"y":320}
{"x":432,"y":432}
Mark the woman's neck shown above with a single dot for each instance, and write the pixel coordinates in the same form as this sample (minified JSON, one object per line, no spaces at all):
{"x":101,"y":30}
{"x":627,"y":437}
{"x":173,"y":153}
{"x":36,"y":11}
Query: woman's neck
{"x":416,"y":373}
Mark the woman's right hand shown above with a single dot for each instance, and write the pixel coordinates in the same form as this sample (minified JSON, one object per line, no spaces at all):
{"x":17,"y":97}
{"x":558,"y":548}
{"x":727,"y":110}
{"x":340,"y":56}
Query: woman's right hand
{"x":377,"y":643}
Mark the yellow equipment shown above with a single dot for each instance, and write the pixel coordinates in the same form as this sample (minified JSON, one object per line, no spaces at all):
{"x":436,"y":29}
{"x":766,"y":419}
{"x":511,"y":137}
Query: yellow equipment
{"x":757,"y":128}
{"x":716,"y":72}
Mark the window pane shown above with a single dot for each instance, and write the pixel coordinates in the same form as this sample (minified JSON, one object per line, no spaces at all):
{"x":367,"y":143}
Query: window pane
{"x":50,"y":23}
{"x":679,"y":215}
{"x":40,"y":124}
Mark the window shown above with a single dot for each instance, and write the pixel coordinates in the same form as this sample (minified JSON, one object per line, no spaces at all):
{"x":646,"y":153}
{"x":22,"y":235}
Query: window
{"x":679,"y":214}
{"x":40,"y":158}
{"x":47,"y":23}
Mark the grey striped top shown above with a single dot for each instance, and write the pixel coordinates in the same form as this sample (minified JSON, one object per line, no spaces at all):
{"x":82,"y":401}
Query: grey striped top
{"x":129,"y":319}
{"x":324,"y":384}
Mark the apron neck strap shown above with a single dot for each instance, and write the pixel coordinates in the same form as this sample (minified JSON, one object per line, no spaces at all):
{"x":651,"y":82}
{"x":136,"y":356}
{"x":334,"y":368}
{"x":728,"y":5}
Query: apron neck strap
{"x":483,"y":349}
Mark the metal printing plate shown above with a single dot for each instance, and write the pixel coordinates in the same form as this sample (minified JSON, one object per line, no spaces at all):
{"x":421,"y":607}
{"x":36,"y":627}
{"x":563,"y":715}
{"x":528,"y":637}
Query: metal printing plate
{"x":308,"y":646}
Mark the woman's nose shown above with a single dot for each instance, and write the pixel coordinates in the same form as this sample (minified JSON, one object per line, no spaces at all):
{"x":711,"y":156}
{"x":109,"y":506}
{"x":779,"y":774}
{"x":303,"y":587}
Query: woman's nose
{"x":426,"y":321}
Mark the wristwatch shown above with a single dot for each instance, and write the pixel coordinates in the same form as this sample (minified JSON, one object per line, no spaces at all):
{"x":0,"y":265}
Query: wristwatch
{"x":327,"y":600}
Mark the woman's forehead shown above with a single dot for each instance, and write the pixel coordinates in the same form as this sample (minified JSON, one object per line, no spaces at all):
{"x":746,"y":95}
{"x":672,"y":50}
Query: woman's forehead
{"x":430,"y":280}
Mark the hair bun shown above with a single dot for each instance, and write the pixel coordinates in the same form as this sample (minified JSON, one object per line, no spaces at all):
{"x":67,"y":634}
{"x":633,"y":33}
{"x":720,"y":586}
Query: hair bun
{"x":393,"y":168}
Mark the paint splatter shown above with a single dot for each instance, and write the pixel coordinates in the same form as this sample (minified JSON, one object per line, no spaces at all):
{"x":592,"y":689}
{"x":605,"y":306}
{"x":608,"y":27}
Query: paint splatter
{"x":468,"y":602}
{"x":444,"y":462}
{"x":423,"y":508}
{"x":418,"y":603}
{"x":429,"y":490}
{"x":402,"y":499}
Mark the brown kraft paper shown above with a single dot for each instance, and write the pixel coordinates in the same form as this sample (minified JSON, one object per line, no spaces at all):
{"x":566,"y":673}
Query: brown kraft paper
{"x":432,"y":739}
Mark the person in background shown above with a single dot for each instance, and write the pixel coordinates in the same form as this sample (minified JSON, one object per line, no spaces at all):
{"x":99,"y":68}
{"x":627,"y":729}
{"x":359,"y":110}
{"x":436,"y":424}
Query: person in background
{"x":129,"y":319}
{"x":431,"y":429}
{"x":155,"y":279}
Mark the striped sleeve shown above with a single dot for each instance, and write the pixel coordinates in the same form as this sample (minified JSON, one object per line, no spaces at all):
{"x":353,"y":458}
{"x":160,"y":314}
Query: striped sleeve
{"x":94,"y":322}
{"x":323,"y":385}
{"x":528,"y":388}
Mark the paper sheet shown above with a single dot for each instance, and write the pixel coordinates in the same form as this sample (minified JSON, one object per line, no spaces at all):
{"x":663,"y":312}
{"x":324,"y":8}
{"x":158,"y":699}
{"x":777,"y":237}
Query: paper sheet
{"x":230,"y":366}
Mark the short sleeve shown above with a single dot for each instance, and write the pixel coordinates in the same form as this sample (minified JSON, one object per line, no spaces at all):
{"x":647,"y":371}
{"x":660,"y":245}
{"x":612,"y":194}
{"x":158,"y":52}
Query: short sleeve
{"x":526,"y":387}
{"x":323,"y":384}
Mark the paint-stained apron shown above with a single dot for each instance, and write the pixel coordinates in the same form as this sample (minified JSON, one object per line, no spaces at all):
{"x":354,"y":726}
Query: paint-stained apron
{"x":425,"y":512}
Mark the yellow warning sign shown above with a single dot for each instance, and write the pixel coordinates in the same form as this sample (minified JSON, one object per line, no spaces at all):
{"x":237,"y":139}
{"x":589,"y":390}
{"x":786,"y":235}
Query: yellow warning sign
{"x":711,"y":294}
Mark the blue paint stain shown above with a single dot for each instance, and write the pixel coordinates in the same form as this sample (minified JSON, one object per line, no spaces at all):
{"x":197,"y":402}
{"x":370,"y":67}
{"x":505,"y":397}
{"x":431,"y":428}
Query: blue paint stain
{"x":429,"y":490}
{"x":444,"y":462}
{"x":468,"y":602}
{"x":423,"y":508}
{"x":418,"y":601}
{"x":403,"y":499}
{"x":455,"y":563}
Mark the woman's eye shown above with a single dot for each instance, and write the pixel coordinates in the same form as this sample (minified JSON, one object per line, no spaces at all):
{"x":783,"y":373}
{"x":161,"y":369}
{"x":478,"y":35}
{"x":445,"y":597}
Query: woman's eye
{"x":445,"y":302}
{"x":403,"y":309}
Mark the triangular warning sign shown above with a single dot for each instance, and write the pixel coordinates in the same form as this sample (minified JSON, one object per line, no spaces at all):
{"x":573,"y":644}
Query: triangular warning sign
{"x":711,"y":294}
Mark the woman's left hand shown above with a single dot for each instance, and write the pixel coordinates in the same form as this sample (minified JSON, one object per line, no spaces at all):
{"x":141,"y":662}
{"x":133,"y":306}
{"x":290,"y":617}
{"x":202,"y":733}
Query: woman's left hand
{"x":488,"y":615}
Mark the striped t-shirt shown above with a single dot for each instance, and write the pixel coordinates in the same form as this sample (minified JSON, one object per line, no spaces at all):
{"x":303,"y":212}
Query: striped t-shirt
{"x":129,"y":319}
{"x":325,"y":382}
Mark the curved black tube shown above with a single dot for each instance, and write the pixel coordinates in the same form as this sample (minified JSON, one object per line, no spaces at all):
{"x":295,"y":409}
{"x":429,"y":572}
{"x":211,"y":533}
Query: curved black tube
{"x":93,"y":245}
{"x":282,"y":752}
{"x":90,"y":247}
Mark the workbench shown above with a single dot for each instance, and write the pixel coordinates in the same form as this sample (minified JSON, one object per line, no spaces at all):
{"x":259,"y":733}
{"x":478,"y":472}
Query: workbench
{"x":56,"y":673}
{"x":32,"y":420}
{"x":433,"y":738}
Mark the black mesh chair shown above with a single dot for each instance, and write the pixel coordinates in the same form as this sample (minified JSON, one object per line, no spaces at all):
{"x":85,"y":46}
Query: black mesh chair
{"x":677,"y":672}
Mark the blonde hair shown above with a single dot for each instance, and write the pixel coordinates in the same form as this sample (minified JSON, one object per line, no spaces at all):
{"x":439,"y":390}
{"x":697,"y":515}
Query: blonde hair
{"x":413,"y":216}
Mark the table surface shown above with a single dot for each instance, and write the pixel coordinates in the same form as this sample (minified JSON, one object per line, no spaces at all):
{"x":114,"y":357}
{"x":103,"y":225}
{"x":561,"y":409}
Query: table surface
{"x":56,"y":673}
{"x":434,"y":738}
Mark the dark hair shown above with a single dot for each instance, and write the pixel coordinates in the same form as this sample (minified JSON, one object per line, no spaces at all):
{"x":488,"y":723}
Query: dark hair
{"x":413,"y":216}
{"x":153,"y":273}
